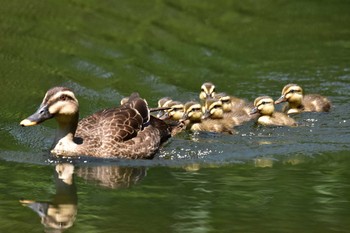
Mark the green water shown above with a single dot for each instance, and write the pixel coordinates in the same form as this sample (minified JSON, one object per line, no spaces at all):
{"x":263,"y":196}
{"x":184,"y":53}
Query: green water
{"x":263,"y":179}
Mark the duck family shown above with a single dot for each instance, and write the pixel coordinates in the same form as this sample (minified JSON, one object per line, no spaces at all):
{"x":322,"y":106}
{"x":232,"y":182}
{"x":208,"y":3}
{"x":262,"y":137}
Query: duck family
{"x":131,"y":131}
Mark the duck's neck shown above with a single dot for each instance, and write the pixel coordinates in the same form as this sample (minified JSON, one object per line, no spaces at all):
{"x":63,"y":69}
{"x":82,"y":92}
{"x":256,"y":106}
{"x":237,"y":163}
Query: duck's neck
{"x":67,"y":126}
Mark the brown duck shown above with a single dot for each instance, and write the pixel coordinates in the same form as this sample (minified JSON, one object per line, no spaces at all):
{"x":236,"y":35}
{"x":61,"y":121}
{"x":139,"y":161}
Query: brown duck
{"x":128,"y":131}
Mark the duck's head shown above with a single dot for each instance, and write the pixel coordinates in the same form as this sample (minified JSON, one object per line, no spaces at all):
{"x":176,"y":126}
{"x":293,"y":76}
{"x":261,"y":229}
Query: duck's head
{"x":207,"y":91}
{"x":212,"y":109}
{"x":263,"y":105}
{"x":225,"y":100}
{"x":193,"y":111}
{"x":59,"y":102}
{"x":292,"y":93}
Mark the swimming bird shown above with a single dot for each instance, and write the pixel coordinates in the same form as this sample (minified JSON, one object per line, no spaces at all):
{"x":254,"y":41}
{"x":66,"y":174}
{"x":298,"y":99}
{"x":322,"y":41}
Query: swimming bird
{"x":264,"y":105}
{"x":174,"y":111}
{"x":207,"y":91}
{"x":128,"y":131}
{"x":230,"y":104}
{"x":298,"y":102}
{"x":209,"y":117}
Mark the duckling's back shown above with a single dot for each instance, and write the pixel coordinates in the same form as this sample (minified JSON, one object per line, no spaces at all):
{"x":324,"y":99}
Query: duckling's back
{"x":316,"y":103}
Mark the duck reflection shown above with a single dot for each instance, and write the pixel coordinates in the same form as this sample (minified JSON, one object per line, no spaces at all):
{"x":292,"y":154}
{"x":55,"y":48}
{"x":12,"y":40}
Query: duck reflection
{"x":113,"y":177}
{"x":59,"y":214}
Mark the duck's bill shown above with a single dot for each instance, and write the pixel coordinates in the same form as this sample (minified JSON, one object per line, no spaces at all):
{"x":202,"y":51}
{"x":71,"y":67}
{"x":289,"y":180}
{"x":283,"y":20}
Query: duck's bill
{"x":253,"y":111}
{"x":39,"y":116}
{"x":39,"y":207}
{"x":159,"y":109}
{"x":184,"y":117}
{"x":163,"y":116}
{"x":280,"y":100}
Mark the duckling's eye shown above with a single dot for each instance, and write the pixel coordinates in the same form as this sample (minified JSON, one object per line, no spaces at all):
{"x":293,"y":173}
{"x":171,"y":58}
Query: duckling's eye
{"x":263,"y":102}
{"x":292,"y":91}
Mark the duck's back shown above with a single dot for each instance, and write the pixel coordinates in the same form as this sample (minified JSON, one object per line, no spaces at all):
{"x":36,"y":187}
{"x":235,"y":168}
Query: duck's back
{"x":126,"y":131}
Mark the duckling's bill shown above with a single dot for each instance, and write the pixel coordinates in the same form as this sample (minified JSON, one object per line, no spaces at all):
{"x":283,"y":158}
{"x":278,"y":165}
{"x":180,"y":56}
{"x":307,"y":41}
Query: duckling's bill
{"x":253,"y":111}
{"x":281,"y":99}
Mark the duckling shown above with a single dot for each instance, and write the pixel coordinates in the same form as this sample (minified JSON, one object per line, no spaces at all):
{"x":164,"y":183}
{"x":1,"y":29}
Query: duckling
{"x":192,"y":114}
{"x":163,"y":102}
{"x":207,"y":91}
{"x":128,"y":131}
{"x":238,"y":107}
{"x":265,"y":107}
{"x":174,"y":112}
{"x":230,"y":103}
{"x":211,"y":119}
{"x":297,"y":102}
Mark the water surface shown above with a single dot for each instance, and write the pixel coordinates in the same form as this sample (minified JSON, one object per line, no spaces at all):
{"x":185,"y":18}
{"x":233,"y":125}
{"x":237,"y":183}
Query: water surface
{"x":262,"y":179}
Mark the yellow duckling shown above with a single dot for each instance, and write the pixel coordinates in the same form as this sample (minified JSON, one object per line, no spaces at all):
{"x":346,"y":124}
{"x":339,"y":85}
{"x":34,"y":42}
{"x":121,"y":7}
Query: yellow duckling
{"x":193,"y":119}
{"x":239,"y":108}
{"x":207,"y":91}
{"x":192,"y":114}
{"x":265,"y":107}
{"x":230,"y":104}
{"x":297,"y":102}
{"x":175,"y":111}
{"x":214,"y":118}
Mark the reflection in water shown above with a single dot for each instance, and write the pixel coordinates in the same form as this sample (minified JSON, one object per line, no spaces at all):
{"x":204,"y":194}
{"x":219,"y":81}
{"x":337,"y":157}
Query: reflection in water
{"x":59,"y":214}
{"x":194,"y":212}
{"x":112,"y":176}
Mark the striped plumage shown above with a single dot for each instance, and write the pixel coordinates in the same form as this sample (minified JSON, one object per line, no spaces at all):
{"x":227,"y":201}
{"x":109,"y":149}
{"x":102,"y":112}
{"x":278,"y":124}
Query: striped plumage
{"x":264,"y":105}
{"x":298,"y":102}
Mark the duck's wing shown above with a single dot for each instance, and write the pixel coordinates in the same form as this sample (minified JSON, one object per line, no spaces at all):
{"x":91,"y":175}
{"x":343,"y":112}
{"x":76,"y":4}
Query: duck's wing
{"x":115,"y":124}
{"x":139,"y":105}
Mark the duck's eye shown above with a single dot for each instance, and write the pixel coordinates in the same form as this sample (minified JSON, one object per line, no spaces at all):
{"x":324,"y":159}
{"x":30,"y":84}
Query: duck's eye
{"x":291,"y":91}
{"x":63,"y":97}
{"x":263,"y":102}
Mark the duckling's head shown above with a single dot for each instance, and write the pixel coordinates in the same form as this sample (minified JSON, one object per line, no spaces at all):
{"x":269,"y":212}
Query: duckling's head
{"x":163,"y":103}
{"x":225,"y":100}
{"x":213,"y":109}
{"x":292,"y":93}
{"x":207,"y":91}
{"x":59,"y":102}
{"x":175,"y":111}
{"x":193,"y":111}
{"x":263,"y":105}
